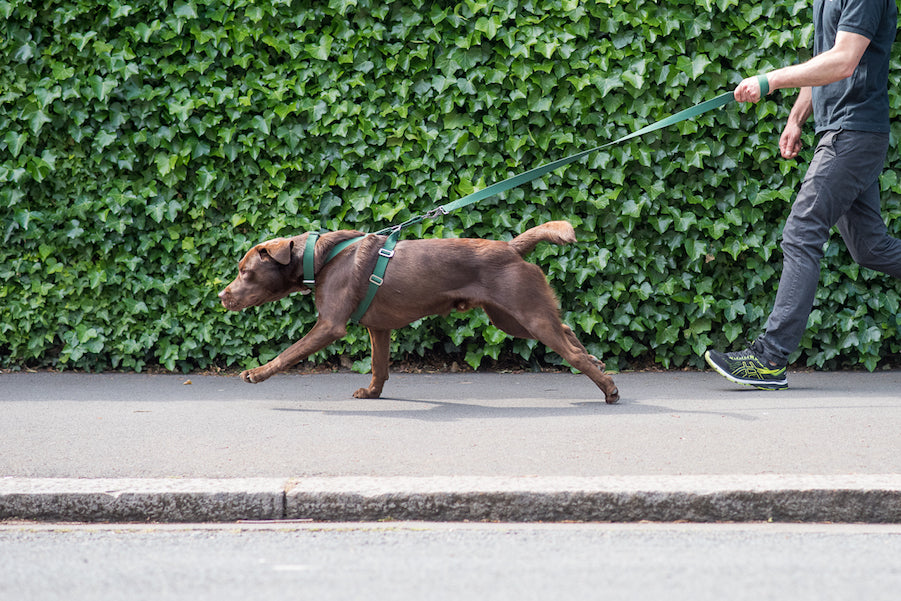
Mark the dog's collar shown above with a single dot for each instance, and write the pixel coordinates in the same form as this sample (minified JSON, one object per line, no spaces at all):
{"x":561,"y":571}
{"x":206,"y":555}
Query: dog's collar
{"x":309,"y":256}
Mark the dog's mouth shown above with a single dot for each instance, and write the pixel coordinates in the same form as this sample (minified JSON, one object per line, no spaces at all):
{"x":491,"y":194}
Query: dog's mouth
{"x":231,"y":305}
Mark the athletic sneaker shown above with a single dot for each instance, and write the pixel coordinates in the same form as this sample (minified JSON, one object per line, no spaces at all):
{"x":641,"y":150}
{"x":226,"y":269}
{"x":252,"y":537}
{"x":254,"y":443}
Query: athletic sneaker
{"x":744,"y":367}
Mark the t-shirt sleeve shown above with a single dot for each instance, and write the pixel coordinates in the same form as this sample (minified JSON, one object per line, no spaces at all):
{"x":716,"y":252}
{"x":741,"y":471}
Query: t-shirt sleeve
{"x":861,"y":16}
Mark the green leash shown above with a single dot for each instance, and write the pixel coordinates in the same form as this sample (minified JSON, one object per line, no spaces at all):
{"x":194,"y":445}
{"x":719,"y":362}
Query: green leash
{"x":522,"y":178}
{"x":378,"y":276}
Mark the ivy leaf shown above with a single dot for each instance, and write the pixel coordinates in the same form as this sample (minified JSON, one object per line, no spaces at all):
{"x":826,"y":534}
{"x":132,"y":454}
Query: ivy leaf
{"x":36,"y":119}
{"x":185,"y":10}
{"x":15,"y":142}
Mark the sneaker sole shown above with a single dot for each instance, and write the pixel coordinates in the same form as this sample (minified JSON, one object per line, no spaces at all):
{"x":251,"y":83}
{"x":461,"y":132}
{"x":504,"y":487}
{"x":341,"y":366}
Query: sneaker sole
{"x":779,"y":385}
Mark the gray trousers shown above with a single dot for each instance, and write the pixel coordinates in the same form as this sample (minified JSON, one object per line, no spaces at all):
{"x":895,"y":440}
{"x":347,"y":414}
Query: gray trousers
{"x":841,"y":187}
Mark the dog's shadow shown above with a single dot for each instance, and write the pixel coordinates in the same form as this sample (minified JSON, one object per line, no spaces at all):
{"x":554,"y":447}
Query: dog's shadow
{"x":453,"y":411}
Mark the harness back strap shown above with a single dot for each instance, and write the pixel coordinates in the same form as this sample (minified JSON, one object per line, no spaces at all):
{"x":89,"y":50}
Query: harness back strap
{"x":341,"y":246}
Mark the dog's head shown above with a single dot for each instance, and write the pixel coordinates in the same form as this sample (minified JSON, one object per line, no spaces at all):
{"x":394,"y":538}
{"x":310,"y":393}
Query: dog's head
{"x":268,"y":272}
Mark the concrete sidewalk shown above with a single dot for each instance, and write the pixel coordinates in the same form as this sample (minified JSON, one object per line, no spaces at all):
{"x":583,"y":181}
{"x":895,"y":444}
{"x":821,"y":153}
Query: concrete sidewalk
{"x":508,"y":447}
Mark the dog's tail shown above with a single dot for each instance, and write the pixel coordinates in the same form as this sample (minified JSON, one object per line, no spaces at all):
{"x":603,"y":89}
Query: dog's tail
{"x":556,"y":232}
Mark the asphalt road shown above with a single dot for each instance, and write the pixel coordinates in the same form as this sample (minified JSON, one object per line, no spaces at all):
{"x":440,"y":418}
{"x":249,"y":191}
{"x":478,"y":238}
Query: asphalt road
{"x":157,"y":426}
{"x":413,"y":561}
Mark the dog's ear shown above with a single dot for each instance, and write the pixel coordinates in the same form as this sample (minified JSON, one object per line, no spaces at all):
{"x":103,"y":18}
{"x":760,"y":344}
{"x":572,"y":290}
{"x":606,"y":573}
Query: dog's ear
{"x":279,"y":250}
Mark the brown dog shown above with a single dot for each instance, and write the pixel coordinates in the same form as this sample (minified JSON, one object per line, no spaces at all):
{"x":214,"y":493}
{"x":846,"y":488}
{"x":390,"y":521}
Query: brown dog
{"x":425,"y":277}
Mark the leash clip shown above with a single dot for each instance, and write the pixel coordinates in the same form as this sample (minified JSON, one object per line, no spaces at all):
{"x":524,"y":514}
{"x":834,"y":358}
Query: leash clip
{"x":439,"y":210}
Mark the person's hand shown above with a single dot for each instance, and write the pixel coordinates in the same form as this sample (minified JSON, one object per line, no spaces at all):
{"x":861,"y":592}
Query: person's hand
{"x":790,"y":141}
{"x":748,"y":90}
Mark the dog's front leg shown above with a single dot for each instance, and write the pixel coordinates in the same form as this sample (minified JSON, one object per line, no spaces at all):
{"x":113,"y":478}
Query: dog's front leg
{"x":321,"y":335}
{"x":381,"y":359}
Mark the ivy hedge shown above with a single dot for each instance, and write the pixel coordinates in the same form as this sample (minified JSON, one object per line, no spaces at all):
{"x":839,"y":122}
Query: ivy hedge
{"x":145,"y":145}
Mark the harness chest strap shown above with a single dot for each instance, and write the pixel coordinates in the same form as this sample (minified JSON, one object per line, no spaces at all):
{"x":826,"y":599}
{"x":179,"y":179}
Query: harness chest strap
{"x":375,"y":280}
{"x":378,"y":275}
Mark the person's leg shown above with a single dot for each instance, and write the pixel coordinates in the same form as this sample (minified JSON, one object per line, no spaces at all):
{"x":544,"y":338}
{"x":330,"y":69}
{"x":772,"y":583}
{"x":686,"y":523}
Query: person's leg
{"x":846,"y":165}
{"x":866,"y":236}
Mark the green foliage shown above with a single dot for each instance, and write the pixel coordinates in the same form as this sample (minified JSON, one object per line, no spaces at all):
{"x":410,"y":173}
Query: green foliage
{"x":145,"y":145}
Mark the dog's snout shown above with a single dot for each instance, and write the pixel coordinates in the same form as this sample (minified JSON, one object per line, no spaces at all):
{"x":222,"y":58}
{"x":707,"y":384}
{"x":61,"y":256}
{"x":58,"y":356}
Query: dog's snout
{"x":230,"y":301}
{"x":227,"y":298}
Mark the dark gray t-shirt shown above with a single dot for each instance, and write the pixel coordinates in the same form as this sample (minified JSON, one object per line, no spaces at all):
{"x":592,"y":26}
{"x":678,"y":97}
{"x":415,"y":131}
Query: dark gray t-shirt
{"x":859,"y":102}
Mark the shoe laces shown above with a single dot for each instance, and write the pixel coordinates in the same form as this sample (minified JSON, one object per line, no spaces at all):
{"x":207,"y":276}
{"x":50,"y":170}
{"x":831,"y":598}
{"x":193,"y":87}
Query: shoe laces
{"x":746,"y":354}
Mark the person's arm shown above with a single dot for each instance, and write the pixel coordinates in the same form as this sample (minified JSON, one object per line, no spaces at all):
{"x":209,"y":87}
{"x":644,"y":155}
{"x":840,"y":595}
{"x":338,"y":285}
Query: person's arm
{"x":790,"y":141}
{"x":835,"y":64}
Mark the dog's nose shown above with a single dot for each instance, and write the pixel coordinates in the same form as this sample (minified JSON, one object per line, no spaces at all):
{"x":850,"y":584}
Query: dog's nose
{"x":222,"y":294}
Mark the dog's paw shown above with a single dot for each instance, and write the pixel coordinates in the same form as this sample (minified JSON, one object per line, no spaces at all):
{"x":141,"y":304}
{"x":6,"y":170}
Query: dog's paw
{"x":613,"y":397}
{"x":367,"y":393}
{"x":254,"y":376}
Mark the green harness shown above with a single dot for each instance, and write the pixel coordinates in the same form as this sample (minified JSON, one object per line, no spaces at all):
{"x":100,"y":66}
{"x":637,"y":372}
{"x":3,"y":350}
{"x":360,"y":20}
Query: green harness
{"x":375,"y":280}
{"x":387,"y":251}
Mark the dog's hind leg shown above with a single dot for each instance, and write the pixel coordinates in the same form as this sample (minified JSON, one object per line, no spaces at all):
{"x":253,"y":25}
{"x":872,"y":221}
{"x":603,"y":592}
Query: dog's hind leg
{"x":381,"y":359}
{"x":506,"y":322}
{"x":561,"y":339}
{"x":576,"y":343}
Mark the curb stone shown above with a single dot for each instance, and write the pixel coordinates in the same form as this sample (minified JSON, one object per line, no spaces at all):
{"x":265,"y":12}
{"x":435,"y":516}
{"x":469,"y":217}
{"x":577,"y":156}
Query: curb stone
{"x":865,"y":498}
{"x":805,"y":498}
{"x":141,"y":500}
